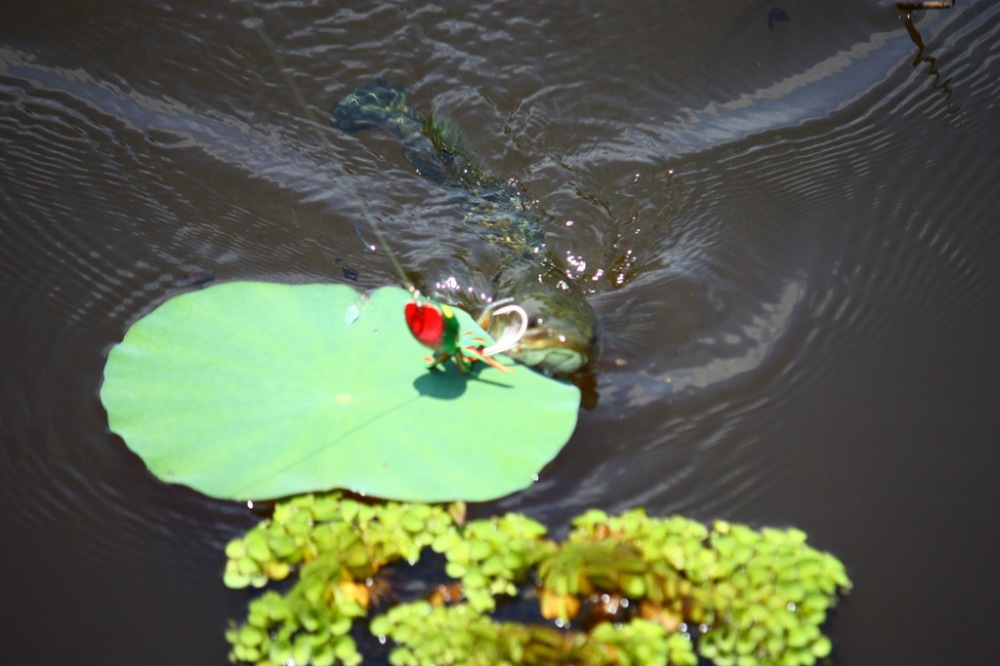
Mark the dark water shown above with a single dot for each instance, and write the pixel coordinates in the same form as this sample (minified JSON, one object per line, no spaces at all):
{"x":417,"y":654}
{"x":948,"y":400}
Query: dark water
{"x":790,"y":231}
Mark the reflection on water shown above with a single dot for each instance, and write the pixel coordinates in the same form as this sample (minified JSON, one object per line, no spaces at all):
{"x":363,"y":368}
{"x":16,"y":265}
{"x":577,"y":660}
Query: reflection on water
{"x":922,"y":57}
{"x":787,"y":226}
{"x":755,"y":346}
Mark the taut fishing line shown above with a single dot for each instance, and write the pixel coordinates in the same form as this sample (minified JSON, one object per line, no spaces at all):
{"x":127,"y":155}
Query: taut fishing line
{"x":419,"y":315}
{"x":314,"y":122}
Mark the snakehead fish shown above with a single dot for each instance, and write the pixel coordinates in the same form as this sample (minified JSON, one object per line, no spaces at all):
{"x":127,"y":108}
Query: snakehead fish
{"x":563,"y":331}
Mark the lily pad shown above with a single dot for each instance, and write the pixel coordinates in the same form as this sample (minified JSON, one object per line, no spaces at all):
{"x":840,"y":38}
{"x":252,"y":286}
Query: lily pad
{"x":253,"y":390}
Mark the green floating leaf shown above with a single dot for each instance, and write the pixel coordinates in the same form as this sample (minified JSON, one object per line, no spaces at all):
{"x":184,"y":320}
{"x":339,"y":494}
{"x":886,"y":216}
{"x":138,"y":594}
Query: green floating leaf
{"x":252,"y":390}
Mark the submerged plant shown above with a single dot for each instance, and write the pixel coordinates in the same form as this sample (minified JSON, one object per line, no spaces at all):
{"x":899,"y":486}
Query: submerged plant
{"x":627,"y":589}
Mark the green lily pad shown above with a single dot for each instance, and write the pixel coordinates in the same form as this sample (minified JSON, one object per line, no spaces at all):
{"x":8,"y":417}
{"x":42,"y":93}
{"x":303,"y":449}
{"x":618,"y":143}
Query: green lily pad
{"x":252,"y":390}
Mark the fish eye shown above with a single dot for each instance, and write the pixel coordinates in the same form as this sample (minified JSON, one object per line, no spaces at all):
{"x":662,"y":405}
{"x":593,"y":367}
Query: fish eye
{"x":534,"y":322}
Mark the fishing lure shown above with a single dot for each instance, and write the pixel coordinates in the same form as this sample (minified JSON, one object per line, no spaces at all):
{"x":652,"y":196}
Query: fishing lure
{"x":435,"y":326}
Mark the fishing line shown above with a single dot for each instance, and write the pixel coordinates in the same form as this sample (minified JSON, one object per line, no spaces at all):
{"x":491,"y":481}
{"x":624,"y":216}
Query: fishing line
{"x":257,"y":24}
{"x":511,"y":334}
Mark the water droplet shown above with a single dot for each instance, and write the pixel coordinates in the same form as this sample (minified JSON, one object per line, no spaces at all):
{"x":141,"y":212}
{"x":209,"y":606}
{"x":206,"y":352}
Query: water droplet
{"x":375,"y":331}
{"x":381,"y":639}
{"x":352,"y":313}
{"x":249,"y":504}
{"x":791,"y":606}
{"x":534,"y":477}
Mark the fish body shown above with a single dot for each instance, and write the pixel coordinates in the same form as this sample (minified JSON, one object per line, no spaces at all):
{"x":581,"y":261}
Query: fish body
{"x":563,"y":334}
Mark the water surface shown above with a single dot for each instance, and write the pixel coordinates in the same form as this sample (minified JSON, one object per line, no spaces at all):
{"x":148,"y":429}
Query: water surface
{"x":788,"y":229}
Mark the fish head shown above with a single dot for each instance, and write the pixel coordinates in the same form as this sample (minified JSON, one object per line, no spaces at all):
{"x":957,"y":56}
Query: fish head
{"x":562,"y":337}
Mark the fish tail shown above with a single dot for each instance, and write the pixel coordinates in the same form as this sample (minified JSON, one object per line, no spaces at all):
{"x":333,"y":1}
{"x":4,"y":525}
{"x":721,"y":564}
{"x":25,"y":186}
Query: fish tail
{"x":375,"y":104}
{"x":381,"y":104}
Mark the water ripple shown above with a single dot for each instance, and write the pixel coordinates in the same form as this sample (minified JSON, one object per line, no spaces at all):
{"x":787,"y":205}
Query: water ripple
{"x":753,"y":207}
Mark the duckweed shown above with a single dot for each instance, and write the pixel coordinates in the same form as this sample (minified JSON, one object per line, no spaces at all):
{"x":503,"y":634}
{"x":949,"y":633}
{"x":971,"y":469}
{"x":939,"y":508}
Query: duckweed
{"x":624,"y":590}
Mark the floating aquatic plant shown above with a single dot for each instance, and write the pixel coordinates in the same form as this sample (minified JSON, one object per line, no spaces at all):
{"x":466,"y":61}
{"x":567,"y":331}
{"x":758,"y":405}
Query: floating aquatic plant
{"x":252,"y":390}
{"x":627,"y":589}
{"x":255,"y":390}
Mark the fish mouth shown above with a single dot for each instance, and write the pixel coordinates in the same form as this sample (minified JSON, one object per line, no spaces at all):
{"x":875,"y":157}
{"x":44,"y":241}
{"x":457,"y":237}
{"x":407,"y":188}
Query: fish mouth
{"x":551,"y":352}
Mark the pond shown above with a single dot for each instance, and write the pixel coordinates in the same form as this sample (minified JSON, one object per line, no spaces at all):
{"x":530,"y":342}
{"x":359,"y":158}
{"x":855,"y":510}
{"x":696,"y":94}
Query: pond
{"x":784,"y":212}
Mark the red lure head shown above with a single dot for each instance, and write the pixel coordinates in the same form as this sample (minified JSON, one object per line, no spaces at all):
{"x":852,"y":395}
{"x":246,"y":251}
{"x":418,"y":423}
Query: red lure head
{"x":435,"y":325}
{"x":426,"y":322}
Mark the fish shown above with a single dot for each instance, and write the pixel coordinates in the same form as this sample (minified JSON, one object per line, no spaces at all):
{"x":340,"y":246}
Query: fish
{"x":563,"y":335}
